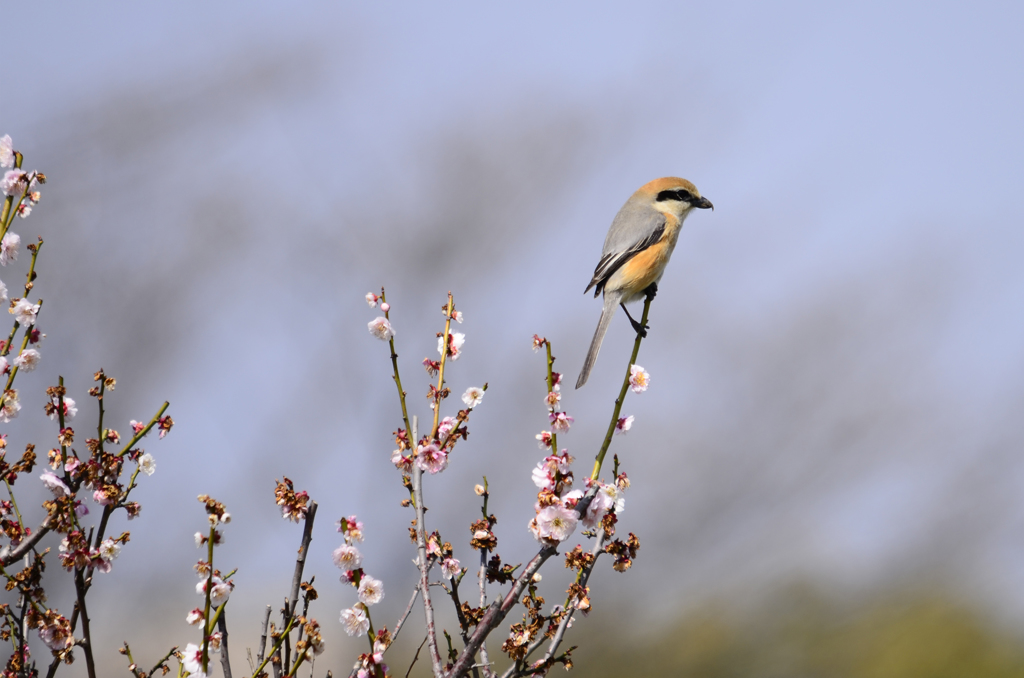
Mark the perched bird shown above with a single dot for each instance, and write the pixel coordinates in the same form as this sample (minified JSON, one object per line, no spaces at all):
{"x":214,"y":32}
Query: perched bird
{"x":637,"y":249}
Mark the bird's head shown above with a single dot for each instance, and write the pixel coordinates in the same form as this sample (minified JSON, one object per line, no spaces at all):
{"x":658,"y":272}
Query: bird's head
{"x":673,"y":195}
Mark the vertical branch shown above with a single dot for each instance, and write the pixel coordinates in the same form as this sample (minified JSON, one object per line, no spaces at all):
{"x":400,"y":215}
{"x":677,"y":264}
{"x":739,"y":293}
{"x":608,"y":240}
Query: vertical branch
{"x":622,"y":392}
{"x":83,"y":615}
{"x":222,"y":626}
{"x":300,"y":563}
{"x":551,"y":387}
{"x":484,"y":659}
{"x":440,"y":372}
{"x":394,"y":365}
{"x":263,"y":635}
{"x":424,"y":565}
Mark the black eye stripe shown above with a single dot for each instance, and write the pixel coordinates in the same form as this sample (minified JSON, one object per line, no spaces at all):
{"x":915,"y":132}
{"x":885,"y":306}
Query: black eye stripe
{"x":681,"y":195}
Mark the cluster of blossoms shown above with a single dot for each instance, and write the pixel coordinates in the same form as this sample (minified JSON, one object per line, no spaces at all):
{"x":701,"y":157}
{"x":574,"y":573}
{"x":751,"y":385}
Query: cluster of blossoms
{"x":356,"y":619}
{"x":214,"y":587}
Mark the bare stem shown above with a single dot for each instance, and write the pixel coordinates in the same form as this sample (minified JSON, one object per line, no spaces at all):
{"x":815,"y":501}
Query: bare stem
{"x":394,"y":365}
{"x":423,"y":563}
{"x":263,"y":635}
{"x":622,"y":393}
{"x":440,"y":372}
{"x":90,"y":665}
{"x":405,"y":615}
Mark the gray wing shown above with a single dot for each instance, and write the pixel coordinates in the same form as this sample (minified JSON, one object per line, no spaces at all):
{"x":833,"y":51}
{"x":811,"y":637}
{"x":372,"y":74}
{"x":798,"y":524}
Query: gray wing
{"x":634,"y":229}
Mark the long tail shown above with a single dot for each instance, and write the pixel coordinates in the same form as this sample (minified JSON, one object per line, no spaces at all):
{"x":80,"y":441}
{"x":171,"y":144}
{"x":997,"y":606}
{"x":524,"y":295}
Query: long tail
{"x":611,"y":303}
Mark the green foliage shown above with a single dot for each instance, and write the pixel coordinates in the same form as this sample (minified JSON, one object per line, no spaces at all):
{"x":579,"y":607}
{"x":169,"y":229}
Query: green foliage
{"x":801,"y":635}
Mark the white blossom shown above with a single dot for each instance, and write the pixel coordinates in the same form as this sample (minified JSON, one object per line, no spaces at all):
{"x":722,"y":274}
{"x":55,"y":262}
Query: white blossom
{"x":148,"y":465}
{"x":370,"y":590}
{"x":24,"y":311}
{"x":27,"y":360}
{"x":381,"y":328}
{"x":9,"y":248}
{"x":472,"y":396}
{"x":347,"y":557}
{"x":355,"y":621}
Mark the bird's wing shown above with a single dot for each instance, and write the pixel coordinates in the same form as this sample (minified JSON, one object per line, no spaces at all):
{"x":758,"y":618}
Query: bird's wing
{"x":630,"y":233}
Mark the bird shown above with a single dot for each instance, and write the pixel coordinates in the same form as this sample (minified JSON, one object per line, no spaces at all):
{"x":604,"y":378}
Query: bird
{"x":636,"y":251}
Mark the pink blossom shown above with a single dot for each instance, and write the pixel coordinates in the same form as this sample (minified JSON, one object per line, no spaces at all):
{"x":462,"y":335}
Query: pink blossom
{"x":560,"y":421}
{"x":6,"y":151}
{"x":449,"y":567}
{"x":554,"y":523}
{"x":402,"y":463}
{"x":544,"y":440}
{"x":552,"y":399}
{"x":624,"y":424}
{"x":55,"y":485}
{"x":431,"y":458}
{"x":371,"y":299}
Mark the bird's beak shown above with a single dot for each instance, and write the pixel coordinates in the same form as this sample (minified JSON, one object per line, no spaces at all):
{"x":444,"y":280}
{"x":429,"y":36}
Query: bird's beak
{"x":704,"y":204}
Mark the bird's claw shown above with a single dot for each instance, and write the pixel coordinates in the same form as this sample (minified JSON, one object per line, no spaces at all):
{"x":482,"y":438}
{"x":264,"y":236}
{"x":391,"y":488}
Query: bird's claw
{"x":640,"y":329}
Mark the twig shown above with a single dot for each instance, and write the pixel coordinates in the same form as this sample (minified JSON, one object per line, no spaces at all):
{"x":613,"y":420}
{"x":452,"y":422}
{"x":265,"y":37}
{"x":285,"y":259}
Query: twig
{"x":263,"y":636}
{"x":499,"y":609}
{"x":9,"y":555}
{"x":145,"y":429}
{"x":222,"y":626}
{"x":288,"y":613}
{"x":405,"y":615}
{"x":622,"y":392}
{"x":397,"y":378}
{"x":556,"y":640}
{"x":422,"y":562}
{"x":416,"y":656}
{"x":90,"y":665}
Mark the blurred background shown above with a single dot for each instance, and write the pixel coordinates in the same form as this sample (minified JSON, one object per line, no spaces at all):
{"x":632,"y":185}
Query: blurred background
{"x":826,"y":469}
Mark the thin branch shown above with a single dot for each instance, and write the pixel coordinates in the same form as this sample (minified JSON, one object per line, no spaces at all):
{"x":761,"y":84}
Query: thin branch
{"x":556,"y":640}
{"x":498,"y":610}
{"x":263,"y":636}
{"x":416,"y":656}
{"x":398,"y":379}
{"x":84,"y":618}
{"x":222,"y":626}
{"x":622,"y":392}
{"x":423,"y":563}
{"x":9,"y":555}
{"x":405,"y":615}
{"x":300,"y":561}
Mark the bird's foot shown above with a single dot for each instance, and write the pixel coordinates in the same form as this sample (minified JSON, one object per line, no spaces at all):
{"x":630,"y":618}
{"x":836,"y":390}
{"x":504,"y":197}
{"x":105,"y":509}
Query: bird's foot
{"x":637,"y":327}
{"x":652,"y":290}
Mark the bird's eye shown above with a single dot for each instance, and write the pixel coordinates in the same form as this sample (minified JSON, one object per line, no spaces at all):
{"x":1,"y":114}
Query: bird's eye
{"x":680,"y":195}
